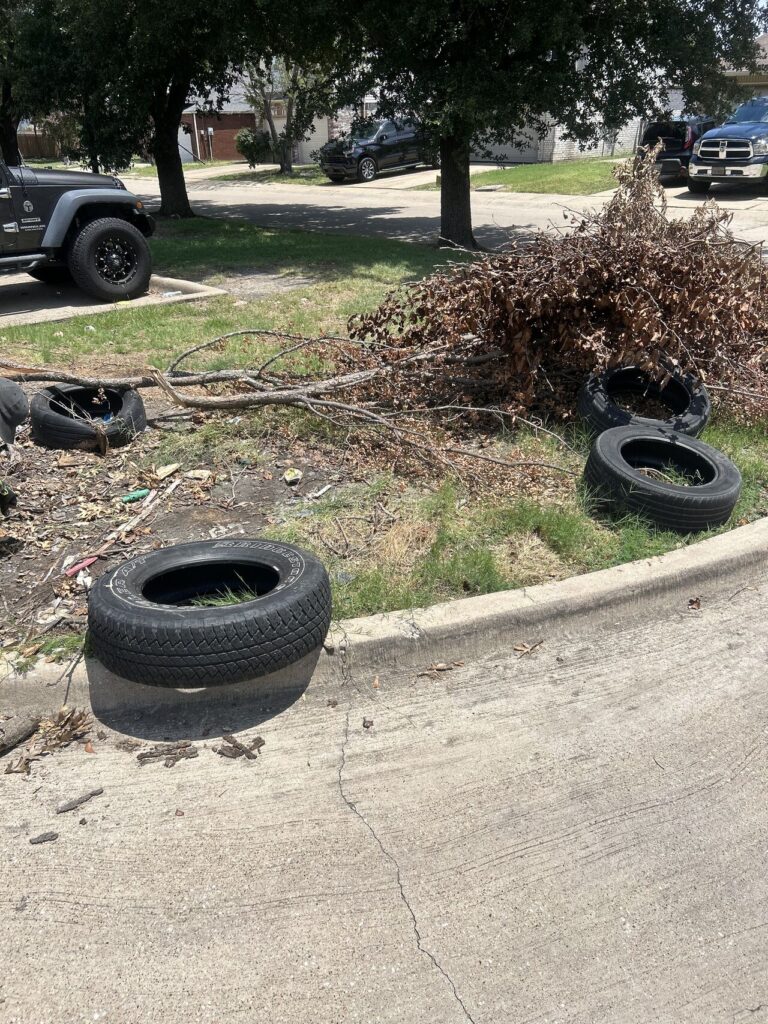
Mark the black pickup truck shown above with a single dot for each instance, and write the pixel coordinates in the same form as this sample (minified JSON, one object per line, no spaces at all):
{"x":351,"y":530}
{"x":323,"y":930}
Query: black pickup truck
{"x":70,"y":225}
{"x":736,"y":153}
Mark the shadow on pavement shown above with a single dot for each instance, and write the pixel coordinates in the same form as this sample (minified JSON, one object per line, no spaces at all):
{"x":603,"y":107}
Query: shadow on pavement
{"x":163,"y":713}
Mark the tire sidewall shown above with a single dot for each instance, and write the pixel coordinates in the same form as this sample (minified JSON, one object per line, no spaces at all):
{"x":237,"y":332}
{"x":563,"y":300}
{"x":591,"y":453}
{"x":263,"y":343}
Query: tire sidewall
{"x":599,"y":410}
{"x":55,"y":430}
{"x":82,"y":260}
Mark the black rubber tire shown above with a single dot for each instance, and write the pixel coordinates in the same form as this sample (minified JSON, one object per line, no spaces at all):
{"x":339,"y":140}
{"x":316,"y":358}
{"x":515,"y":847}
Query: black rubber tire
{"x":698,"y":187}
{"x":686,"y":398}
{"x":51,"y":275}
{"x":52,"y":428}
{"x":84,"y":257}
{"x":612,"y":477}
{"x":163,"y":644}
{"x":371,"y":162}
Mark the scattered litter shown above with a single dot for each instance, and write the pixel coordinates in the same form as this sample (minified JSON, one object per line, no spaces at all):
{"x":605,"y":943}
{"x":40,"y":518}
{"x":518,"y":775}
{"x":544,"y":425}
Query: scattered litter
{"x":321,"y":492}
{"x":53,"y":734}
{"x":75,"y":570}
{"x":70,"y":805}
{"x":163,"y":471}
{"x":169,"y":753}
{"x":293,"y":477}
{"x":170,"y":295}
{"x":234,"y":748}
{"x":522,"y":649}
{"x":440,"y":666}
{"x":44,"y":837}
{"x":84,"y":579}
{"x":694,"y":604}
{"x":90,"y":328}
{"x":128,"y":499}
{"x":201,"y":475}
{"x":367,"y":723}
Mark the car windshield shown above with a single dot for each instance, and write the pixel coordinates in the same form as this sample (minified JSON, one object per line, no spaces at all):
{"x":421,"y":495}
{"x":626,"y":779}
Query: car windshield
{"x":752,"y":110}
{"x":366,"y":131}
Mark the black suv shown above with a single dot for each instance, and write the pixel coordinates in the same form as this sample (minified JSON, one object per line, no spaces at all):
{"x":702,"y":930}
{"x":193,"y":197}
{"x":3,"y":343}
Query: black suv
{"x":678,"y":138}
{"x":378,"y":146}
{"x":70,"y":225}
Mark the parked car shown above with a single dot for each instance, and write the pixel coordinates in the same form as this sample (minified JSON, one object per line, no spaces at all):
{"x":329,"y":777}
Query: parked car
{"x":379,"y":146}
{"x":70,"y":225}
{"x":736,"y":152}
{"x":678,"y":138}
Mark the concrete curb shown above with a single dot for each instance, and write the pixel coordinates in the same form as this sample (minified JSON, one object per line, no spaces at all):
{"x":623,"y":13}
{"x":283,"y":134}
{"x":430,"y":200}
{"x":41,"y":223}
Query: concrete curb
{"x":396,"y":645}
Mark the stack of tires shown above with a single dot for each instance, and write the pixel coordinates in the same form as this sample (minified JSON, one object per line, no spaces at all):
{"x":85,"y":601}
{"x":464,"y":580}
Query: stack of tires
{"x":656,"y":468}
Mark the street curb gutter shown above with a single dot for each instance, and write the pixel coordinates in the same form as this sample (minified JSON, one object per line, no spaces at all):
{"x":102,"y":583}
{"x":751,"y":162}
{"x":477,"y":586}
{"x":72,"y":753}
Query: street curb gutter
{"x":394,"y":646}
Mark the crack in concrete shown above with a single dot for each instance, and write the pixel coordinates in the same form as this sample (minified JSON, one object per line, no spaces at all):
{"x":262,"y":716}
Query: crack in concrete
{"x":393,"y":860}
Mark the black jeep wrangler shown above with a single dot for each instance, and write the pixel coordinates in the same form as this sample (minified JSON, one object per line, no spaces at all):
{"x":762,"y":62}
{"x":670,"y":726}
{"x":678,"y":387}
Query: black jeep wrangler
{"x":64,"y":226}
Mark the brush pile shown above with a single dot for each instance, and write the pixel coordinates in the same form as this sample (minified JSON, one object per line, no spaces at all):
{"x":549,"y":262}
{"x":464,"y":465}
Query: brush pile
{"x":626,"y":286}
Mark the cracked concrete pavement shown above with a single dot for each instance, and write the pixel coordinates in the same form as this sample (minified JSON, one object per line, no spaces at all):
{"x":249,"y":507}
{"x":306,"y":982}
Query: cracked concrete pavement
{"x":384,"y":212}
{"x":577,"y":836}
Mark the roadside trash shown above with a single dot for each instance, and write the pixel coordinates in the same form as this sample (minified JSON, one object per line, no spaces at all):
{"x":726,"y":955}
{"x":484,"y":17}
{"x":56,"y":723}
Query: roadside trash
{"x":90,"y":419}
{"x":44,"y":837}
{"x":170,"y":295}
{"x":321,"y":492}
{"x":134,"y":630}
{"x":7,"y":498}
{"x":293,"y":477}
{"x":75,"y":570}
{"x":53,"y":734}
{"x":84,"y":579}
{"x":234,"y":748}
{"x":170,"y":754}
{"x":674,"y":480}
{"x":163,"y":471}
{"x":201,"y":475}
{"x":90,"y":328}
{"x":142,"y":492}
{"x":70,"y":805}
{"x":608,"y":399}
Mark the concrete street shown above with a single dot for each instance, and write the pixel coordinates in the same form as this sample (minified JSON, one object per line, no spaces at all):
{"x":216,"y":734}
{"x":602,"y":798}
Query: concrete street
{"x":576,"y":835}
{"x":386,"y":209}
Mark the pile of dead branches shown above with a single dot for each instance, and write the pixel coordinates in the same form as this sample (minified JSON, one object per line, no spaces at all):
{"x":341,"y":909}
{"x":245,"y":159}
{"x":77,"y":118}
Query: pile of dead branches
{"x":627,"y":286}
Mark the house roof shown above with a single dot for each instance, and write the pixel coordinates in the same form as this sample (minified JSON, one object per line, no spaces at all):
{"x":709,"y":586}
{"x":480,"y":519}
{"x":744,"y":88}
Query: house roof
{"x":236,"y":102}
{"x":760,"y":76}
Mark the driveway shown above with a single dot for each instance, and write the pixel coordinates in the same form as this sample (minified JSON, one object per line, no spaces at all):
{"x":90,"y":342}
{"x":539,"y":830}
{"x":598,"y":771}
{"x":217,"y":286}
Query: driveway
{"x":381,"y":211}
{"x":577,"y":835}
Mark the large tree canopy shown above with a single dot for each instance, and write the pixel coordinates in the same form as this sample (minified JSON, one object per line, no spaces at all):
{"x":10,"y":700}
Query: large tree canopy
{"x":478,"y":71}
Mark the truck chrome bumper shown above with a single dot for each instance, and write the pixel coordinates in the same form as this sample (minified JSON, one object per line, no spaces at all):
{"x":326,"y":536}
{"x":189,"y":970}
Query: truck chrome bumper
{"x":743,"y":171}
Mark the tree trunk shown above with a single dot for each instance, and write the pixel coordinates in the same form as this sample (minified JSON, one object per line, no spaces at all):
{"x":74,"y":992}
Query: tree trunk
{"x":286,"y":150}
{"x":166,"y":116}
{"x":9,"y":143}
{"x":455,"y":206}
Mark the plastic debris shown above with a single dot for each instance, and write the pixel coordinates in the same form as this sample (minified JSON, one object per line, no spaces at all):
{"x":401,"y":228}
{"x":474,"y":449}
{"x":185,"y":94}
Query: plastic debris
{"x":163,"y":471}
{"x":201,"y":475}
{"x":142,"y":492}
{"x":293,"y":477}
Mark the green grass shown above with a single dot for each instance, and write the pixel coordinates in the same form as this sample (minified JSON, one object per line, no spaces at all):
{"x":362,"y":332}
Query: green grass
{"x":150,"y":170}
{"x":303,"y":174}
{"x":567,"y":177}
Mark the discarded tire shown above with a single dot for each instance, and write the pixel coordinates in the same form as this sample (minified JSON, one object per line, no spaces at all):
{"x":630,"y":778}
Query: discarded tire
{"x":69,"y":416}
{"x":634,"y":469}
{"x":146,"y":622}
{"x":685,"y":398}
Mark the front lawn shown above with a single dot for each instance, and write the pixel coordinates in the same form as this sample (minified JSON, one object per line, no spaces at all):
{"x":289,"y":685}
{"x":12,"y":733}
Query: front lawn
{"x":393,"y":535}
{"x":567,"y":177}
{"x":303,"y":174}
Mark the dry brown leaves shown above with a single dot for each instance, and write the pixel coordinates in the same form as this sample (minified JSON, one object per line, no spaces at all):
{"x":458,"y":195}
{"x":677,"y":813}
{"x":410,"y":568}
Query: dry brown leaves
{"x":627,"y":286}
{"x":69,"y":724}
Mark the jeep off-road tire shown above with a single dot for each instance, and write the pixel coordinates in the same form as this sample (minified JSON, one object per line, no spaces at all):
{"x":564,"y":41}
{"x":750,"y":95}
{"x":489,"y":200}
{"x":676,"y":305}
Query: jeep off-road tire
{"x":143,"y":628}
{"x":686,"y":398}
{"x":109,"y":259}
{"x":54,"y":425}
{"x":613,"y":475}
{"x":51,"y":275}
